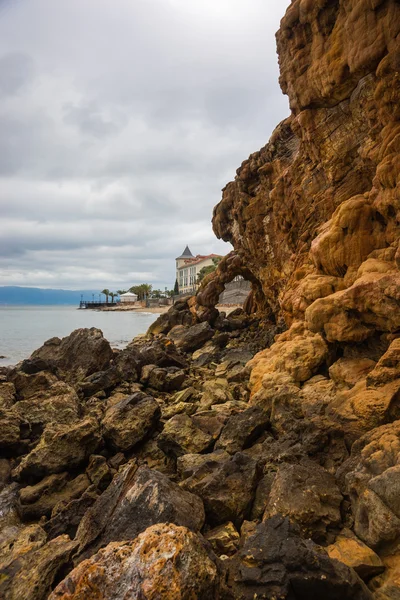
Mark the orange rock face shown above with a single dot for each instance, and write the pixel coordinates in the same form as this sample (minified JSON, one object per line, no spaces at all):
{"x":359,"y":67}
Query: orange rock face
{"x":314,"y":215}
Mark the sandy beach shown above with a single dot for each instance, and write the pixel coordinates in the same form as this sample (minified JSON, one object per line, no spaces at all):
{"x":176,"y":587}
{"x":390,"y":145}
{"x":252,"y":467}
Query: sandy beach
{"x":130,"y":308}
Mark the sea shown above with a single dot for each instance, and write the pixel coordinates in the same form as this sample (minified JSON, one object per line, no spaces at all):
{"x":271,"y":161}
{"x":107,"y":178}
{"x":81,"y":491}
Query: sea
{"x":23,"y":329}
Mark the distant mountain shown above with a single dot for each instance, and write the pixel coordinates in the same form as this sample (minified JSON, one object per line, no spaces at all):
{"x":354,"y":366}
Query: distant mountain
{"x":38,"y":296}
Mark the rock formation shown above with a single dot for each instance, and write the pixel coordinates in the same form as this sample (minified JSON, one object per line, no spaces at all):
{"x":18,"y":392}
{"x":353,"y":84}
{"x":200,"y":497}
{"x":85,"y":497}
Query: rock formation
{"x":254,"y":455}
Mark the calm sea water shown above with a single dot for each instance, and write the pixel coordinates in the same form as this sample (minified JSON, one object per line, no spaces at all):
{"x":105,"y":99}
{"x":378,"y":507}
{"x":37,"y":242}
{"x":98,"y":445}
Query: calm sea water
{"x":25,"y":328}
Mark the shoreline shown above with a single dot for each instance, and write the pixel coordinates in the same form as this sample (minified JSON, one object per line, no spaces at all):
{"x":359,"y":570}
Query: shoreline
{"x":151,"y":309}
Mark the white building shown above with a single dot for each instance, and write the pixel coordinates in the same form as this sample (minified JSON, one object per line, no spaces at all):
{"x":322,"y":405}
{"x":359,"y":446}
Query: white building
{"x":128,"y":297}
{"x":188,"y":267}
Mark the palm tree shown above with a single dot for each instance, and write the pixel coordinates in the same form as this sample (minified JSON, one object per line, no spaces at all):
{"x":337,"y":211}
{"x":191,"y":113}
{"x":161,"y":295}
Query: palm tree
{"x":106,"y":292}
{"x":120,"y":292}
{"x":113,"y":294}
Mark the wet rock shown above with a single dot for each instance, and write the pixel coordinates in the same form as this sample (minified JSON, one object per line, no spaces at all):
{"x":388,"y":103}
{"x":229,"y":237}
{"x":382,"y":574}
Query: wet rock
{"x":352,"y":552}
{"x":61,"y":447}
{"x":191,"y":338}
{"x":276,"y":563}
{"x":136,"y":499}
{"x":40,"y":499}
{"x":242,"y":430}
{"x":181,"y":436}
{"x":129,"y":421}
{"x":227,"y":488}
{"x":165,"y":561}
{"x":31,"y":574}
{"x":82,"y":353}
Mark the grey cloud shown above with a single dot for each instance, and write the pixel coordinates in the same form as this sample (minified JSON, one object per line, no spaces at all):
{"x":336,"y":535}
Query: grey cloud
{"x":120,"y":127}
{"x":16,"y":71}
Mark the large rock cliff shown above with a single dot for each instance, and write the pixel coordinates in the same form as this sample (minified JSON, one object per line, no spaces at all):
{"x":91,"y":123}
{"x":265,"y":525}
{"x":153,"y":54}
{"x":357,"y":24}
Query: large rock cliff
{"x":315,"y":214}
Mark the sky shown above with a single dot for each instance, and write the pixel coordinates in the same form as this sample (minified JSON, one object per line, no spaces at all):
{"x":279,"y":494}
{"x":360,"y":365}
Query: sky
{"x":120,"y":123}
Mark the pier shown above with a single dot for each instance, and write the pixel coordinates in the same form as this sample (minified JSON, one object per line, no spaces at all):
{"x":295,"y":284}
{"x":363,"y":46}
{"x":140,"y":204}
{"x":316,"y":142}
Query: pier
{"x":96,"y":303}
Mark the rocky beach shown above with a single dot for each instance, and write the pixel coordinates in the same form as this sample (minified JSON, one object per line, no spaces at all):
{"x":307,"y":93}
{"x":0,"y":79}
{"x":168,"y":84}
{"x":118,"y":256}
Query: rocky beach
{"x":255,"y":454}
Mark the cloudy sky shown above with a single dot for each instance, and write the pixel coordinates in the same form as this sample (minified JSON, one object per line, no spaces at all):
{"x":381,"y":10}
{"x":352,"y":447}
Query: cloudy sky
{"x":120,"y":122}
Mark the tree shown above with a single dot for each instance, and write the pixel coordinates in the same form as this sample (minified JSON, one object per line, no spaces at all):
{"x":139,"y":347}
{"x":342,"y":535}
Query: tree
{"x":142,"y":291}
{"x":176,"y":287}
{"x":120,"y":292}
{"x":207,"y":270}
{"x":106,"y":292}
{"x":113,"y":294}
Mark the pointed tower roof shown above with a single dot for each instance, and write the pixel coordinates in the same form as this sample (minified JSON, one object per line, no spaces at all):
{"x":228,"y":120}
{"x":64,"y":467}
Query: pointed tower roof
{"x":185,"y":254}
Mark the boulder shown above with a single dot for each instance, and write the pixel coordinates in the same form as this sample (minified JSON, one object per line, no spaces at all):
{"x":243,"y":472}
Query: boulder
{"x":58,"y":403}
{"x":130,"y":420}
{"x":136,"y":499}
{"x":227,"y":487}
{"x":275,"y":562}
{"x":165,"y":561}
{"x":242,"y":430}
{"x":181,"y":436}
{"x":61,"y":447}
{"x":308,"y":495}
{"x":191,"y":338}
{"x":82,"y":353}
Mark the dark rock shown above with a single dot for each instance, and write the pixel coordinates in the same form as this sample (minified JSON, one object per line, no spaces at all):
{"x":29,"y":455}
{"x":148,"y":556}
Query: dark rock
{"x":227,"y":488}
{"x":39,"y":500}
{"x":102,"y":380}
{"x":130,"y":420}
{"x":136,"y":499}
{"x":181,"y":436}
{"x":66,"y":516}
{"x":82,"y":353}
{"x":309,"y":496}
{"x":30,"y":366}
{"x":189,"y":339}
{"x":276,"y":563}
{"x":99,"y":472}
{"x":242,"y":430}
{"x":166,"y":380}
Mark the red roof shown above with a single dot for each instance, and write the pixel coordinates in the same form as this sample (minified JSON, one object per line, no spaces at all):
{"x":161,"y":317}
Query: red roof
{"x":198,"y":259}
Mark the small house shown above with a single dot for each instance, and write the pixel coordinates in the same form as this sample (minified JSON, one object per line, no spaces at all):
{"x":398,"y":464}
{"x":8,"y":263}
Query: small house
{"x":128,"y":298}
